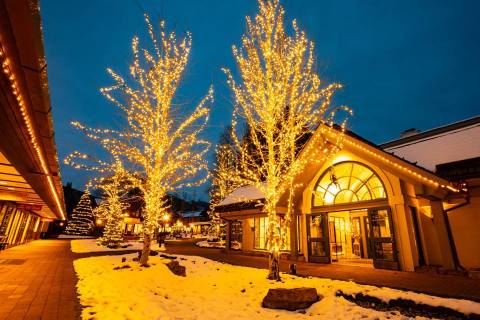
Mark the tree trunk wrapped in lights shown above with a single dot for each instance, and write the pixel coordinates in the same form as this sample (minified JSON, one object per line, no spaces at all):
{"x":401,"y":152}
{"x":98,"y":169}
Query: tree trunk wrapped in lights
{"x":283,"y":102}
{"x":161,"y":141}
{"x":82,"y":217}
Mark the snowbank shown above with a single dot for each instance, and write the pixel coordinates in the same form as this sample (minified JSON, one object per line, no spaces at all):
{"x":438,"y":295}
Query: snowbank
{"x":90,"y":245}
{"x":68,"y":236}
{"x":387,"y":294}
{"x":211,"y":244}
{"x":213,"y":290}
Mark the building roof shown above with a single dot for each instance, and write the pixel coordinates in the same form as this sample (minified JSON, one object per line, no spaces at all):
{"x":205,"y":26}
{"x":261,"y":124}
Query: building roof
{"x":243,"y":194}
{"x":241,"y":197}
{"x":475,"y":121}
{"x":451,"y":143}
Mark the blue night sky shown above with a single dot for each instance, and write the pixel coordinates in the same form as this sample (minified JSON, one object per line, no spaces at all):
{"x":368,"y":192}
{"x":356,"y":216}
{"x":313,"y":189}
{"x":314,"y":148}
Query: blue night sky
{"x":404,"y":64}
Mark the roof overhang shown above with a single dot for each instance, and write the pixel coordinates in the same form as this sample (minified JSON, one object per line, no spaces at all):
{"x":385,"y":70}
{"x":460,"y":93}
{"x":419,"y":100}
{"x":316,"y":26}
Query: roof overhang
{"x":27,"y":145}
{"x":408,"y":171}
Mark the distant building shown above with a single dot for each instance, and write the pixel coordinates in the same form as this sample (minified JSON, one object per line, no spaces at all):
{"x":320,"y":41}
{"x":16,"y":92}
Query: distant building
{"x":407,"y":204}
{"x":30,"y":185}
{"x":188,"y":217}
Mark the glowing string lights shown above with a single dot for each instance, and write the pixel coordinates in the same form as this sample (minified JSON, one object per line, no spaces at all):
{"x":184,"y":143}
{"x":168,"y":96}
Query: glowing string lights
{"x":282,"y":101}
{"x":161,"y":145}
{"x":6,"y":68}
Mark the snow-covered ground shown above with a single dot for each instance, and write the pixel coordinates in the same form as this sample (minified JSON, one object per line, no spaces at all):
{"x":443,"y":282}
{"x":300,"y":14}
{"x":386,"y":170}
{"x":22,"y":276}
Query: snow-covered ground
{"x":211,"y":244}
{"x":69,"y":236}
{"x":214,"y":290}
{"x":90,"y":245}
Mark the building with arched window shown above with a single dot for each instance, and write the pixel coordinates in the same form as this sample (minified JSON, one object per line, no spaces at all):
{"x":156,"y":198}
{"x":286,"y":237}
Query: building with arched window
{"x":410,"y":204}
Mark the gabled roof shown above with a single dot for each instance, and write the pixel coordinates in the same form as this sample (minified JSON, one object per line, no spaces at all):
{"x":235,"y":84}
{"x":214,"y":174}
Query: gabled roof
{"x":249,"y":194}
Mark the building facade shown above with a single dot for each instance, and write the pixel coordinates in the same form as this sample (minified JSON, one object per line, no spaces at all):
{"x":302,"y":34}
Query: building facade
{"x":382,"y":206}
{"x":31,"y":193}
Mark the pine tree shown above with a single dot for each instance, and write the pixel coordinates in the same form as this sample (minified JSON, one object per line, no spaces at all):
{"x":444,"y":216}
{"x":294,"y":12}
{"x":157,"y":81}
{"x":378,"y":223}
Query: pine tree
{"x":82,"y":222}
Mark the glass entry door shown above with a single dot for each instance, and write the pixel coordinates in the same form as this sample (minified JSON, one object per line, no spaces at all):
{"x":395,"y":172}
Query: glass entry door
{"x":317,"y":236}
{"x":382,"y":239}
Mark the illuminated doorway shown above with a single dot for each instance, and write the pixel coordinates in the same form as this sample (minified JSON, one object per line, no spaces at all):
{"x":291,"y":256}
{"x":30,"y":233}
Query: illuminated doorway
{"x":349,"y":237}
{"x":351,"y":222}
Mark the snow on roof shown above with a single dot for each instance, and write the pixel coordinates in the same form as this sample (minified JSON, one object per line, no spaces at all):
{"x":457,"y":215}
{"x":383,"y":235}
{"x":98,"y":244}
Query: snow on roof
{"x":190,"y":214}
{"x":243,"y":194}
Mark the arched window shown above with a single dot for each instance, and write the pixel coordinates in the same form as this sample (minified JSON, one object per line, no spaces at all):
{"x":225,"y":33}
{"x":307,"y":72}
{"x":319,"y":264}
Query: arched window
{"x":347,"y":182}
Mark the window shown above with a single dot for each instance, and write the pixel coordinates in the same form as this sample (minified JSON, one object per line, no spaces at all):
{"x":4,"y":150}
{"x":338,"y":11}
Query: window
{"x":382,"y":235}
{"x":236,"y":232}
{"x":261,"y":226}
{"x":347,"y":182}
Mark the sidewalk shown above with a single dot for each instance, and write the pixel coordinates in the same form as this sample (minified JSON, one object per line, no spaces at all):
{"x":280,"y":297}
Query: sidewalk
{"x":37,"y":281}
{"x":434,"y":284}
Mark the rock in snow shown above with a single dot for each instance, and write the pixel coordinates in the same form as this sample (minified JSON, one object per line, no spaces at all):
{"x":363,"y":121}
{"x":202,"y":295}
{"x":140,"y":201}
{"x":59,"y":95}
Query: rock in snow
{"x":290,"y":299}
{"x":177,"y":269}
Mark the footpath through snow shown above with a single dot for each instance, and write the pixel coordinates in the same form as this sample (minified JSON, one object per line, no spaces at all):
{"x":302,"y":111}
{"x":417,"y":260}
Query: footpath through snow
{"x":214,"y":290}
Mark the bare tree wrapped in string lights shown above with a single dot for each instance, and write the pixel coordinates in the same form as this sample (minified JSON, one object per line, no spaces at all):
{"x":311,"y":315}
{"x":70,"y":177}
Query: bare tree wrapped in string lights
{"x":161,"y":141}
{"x":283,"y":102}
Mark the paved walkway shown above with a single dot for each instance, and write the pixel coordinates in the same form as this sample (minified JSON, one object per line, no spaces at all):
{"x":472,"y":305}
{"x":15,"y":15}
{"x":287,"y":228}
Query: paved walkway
{"x":37,"y":281}
{"x":434,"y":284}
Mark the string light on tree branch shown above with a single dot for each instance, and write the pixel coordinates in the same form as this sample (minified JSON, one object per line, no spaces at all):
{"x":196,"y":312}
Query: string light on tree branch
{"x":282,"y":101}
{"x":161,"y":141}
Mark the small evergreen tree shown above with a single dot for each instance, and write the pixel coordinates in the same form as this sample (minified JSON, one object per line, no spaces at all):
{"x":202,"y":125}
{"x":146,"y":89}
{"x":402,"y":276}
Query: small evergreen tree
{"x":82,"y":217}
{"x":111,"y":210}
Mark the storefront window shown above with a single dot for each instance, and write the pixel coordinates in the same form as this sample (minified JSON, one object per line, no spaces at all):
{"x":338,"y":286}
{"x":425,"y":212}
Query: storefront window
{"x":384,"y":250}
{"x":382,"y":234}
{"x":381,"y":225}
{"x":7,"y":212}
{"x":348,"y":182}
{"x":236,"y":232}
